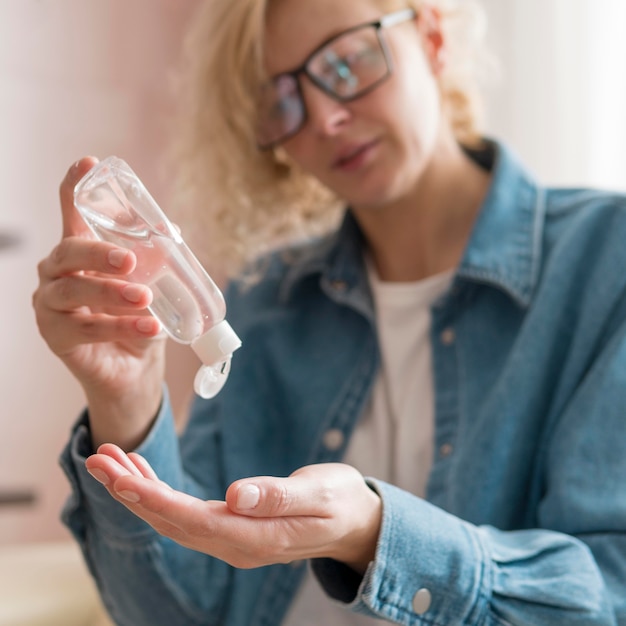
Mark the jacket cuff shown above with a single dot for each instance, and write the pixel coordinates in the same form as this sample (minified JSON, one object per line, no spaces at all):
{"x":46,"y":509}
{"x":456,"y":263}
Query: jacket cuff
{"x":90,"y":503}
{"x":428,"y":566}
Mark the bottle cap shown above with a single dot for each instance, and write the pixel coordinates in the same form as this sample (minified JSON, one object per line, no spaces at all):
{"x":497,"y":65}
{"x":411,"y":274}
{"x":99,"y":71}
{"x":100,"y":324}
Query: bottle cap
{"x":216,"y":344}
{"x":211,"y":378}
{"x":215,"y":349}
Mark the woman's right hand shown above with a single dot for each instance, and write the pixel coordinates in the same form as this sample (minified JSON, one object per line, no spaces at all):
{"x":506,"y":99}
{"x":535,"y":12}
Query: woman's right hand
{"x":96,"y":322}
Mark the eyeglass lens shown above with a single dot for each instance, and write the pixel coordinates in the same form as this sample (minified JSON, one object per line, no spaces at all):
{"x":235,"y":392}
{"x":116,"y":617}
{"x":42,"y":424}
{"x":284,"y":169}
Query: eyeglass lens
{"x":345,"y":68}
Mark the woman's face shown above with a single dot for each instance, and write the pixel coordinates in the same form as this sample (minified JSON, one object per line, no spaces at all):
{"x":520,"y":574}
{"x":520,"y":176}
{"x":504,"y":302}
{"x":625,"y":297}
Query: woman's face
{"x":373,"y":150}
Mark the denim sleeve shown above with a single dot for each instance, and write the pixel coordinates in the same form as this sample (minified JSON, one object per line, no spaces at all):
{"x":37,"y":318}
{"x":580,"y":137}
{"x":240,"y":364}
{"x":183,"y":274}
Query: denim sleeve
{"x":432,"y":568}
{"x":142,"y":577}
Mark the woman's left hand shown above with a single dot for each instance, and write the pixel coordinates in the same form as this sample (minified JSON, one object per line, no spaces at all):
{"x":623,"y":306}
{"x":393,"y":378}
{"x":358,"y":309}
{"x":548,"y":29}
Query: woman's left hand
{"x":324,"y":510}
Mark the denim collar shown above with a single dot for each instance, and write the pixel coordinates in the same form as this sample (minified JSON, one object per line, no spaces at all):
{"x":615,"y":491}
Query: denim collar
{"x":504,"y":248}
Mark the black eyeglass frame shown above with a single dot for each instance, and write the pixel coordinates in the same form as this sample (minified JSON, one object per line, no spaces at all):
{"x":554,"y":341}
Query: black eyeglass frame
{"x":386,"y":21}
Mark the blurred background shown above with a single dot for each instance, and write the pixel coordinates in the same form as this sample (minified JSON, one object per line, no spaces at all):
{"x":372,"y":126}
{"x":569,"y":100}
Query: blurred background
{"x":93,"y":78}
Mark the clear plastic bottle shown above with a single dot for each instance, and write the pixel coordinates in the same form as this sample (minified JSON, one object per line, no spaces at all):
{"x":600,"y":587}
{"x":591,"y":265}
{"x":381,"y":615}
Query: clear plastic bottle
{"x":119,"y":209}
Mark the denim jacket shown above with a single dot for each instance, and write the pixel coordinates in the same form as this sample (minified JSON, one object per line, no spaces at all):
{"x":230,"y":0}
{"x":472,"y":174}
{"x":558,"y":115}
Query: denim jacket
{"x":525,"y":517}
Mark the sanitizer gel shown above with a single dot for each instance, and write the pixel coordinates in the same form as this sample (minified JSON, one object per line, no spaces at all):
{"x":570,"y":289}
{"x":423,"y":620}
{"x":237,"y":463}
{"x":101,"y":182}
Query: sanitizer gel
{"x":118,"y":209}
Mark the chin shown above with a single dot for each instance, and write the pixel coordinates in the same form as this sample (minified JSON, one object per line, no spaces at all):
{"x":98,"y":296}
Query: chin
{"x":370,"y":202}
{"x":378,"y":194}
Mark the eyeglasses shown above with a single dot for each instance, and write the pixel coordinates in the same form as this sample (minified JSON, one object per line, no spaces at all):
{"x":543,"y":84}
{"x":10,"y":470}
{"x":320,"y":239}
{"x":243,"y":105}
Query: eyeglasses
{"x":346,"y":66}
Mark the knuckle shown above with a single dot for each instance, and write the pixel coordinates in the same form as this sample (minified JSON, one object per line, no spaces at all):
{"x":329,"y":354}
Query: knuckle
{"x":89,"y":329}
{"x":77,"y":253}
{"x":326,"y":494}
{"x":66,"y":288}
{"x":103,"y":291}
{"x":60,"y":252}
{"x":98,"y":328}
{"x":94,"y":249}
{"x":283,"y":497}
{"x":280,"y":499}
{"x":34,"y":299}
{"x":41,"y":322}
{"x":41,"y":268}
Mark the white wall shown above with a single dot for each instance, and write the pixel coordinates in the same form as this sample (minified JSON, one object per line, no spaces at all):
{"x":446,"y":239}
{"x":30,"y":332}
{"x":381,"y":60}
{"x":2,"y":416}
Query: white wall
{"x":90,"y":78}
{"x":561,"y":98}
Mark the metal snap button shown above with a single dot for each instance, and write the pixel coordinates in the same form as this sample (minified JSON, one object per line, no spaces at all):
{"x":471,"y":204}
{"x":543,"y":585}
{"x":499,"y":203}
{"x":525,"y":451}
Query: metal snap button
{"x":421,"y":601}
{"x":339,"y":285}
{"x":447,"y":336}
{"x":446,"y":450}
{"x":333,"y":439}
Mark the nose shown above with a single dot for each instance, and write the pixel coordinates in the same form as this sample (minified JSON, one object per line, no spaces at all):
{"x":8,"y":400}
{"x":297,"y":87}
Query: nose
{"x":325,"y":115}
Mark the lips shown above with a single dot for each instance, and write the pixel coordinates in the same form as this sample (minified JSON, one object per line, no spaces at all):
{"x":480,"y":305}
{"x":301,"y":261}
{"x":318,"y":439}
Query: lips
{"x":353,"y":156}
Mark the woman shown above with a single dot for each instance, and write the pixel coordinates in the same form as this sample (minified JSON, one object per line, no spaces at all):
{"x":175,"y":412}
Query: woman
{"x":459,"y":339}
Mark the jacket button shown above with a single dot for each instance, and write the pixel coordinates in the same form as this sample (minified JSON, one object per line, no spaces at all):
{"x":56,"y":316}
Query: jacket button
{"x":333,"y":439}
{"x":447,"y":336}
{"x":339,"y":285}
{"x":421,"y":601}
{"x":445,"y":450}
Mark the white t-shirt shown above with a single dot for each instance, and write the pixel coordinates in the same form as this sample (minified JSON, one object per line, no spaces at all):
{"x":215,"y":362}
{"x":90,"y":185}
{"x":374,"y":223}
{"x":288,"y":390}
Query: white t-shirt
{"x":393,"y":440}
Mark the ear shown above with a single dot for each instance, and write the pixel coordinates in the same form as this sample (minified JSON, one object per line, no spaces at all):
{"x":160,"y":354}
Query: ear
{"x":429,"y":25}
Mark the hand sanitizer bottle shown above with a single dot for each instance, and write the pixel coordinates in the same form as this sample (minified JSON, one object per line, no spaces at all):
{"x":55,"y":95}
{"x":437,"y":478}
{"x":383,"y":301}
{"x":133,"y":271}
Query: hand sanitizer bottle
{"x":118,"y":208}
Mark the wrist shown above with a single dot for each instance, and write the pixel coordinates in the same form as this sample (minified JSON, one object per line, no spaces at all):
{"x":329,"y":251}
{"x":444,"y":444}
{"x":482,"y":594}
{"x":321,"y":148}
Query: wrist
{"x":125,"y":420}
{"x":361,"y":549}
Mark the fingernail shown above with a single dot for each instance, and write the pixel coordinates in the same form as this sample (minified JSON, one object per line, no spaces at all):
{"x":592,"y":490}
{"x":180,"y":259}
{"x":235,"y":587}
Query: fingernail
{"x":248,"y":497}
{"x":131,"y":496}
{"x":99,"y":475}
{"x":145,"y":324}
{"x":133,"y":293}
{"x":116,"y":257}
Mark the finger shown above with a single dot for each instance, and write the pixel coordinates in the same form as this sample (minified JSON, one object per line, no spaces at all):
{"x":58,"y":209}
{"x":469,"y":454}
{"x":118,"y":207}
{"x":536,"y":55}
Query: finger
{"x":156,"y":502}
{"x":143,"y":466}
{"x":77,"y":254}
{"x":65,"y":331}
{"x":77,"y":290}
{"x":105,"y":469}
{"x":266,"y":496}
{"x":111,"y":463}
{"x":196,"y":524}
{"x":108,"y":471}
{"x":211,"y":527}
{"x":116,"y":453}
{"x":72,"y":222}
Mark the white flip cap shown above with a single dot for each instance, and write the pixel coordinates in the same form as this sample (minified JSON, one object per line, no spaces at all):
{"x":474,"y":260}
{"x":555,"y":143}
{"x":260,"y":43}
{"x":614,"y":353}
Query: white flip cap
{"x":216,"y":344}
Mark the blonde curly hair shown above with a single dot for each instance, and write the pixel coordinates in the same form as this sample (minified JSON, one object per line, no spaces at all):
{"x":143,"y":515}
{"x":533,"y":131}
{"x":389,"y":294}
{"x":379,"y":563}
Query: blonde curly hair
{"x":240,"y":201}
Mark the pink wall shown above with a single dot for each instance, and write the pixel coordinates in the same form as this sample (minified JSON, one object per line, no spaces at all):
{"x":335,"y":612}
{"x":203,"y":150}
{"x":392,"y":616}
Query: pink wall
{"x":84,"y":77}
{"x":78,"y":78}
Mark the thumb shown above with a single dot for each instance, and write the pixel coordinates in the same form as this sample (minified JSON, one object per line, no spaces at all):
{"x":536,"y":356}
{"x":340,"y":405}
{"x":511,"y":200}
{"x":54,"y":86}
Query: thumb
{"x":72,"y":222}
{"x":267,"y":496}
